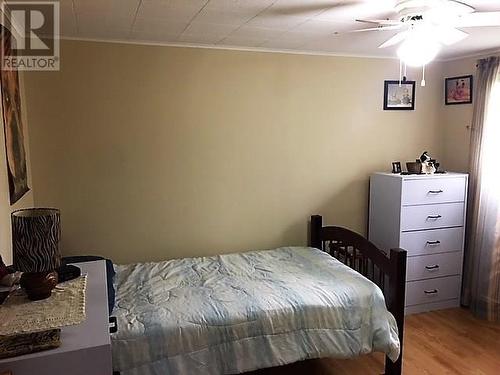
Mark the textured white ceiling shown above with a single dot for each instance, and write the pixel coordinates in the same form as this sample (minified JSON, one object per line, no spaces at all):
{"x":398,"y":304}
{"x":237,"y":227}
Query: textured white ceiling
{"x":299,"y":25}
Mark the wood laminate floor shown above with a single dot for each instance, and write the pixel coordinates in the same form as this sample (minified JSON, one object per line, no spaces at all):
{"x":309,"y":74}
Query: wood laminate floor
{"x":440,"y":342}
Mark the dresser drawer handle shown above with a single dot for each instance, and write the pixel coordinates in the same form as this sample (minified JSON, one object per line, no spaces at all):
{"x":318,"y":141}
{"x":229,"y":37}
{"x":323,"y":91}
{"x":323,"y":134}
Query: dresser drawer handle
{"x":436,"y":191}
{"x":434,"y":217}
{"x":433,"y":242}
{"x":433,"y":291}
{"x":432,"y":268}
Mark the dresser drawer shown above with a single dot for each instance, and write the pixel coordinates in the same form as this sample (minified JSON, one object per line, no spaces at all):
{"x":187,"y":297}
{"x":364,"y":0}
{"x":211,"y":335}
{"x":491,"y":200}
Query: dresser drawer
{"x":432,"y":290}
{"x":433,"y":190}
{"x":432,"y":216}
{"x":432,"y":241}
{"x":431,"y":266}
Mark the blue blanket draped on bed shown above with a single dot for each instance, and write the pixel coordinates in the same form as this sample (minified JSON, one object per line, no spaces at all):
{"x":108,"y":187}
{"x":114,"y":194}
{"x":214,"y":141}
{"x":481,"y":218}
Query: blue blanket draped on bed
{"x":238,"y":312}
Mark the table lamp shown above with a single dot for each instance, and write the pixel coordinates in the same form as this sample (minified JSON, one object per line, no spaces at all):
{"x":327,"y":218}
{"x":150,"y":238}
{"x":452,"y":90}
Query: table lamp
{"x":35,"y":245}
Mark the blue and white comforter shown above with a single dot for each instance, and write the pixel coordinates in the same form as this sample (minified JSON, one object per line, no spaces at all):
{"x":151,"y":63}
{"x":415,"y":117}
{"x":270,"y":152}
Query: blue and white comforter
{"x":238,"y":312}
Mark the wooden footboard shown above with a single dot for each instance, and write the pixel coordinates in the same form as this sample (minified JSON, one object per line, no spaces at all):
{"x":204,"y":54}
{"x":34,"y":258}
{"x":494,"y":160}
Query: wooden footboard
{"x":388,"y":272}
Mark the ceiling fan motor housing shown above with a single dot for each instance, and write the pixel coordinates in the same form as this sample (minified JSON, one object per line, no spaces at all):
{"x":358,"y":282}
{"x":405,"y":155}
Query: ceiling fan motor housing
{"x":412,"y":14}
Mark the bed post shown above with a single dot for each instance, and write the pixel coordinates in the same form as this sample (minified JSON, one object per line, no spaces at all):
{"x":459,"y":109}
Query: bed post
{"x":397,"y":305}
{"x":315,"y":232}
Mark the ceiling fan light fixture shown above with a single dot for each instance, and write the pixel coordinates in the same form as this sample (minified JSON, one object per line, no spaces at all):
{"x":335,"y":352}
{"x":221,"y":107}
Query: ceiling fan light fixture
{"x":418,"y":50}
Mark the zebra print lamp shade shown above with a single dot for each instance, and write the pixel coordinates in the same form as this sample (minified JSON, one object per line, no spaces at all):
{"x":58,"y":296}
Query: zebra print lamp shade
{"x":35,"y":239}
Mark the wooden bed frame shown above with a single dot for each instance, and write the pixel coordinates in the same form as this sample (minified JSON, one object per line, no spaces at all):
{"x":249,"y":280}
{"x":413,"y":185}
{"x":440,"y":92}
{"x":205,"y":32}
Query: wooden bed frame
{"x":388,"y":272}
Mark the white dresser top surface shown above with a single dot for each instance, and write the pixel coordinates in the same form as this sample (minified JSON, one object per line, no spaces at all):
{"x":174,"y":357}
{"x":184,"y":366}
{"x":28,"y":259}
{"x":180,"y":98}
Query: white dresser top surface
{"x":421,"y":176}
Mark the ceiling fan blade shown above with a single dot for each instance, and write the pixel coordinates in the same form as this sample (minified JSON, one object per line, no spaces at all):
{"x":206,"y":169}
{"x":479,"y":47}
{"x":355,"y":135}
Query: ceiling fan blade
{"x":450,"y":35}
{"x":398,"y":38}
{"x":478,"y":19}
{"x":381,"y":22}
{"x":450,"y":6}
{"x":380,"y":28}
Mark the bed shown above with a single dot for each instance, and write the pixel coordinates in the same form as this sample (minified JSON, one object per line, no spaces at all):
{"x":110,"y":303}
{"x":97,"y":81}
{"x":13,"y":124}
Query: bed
{"x":235,"y":313}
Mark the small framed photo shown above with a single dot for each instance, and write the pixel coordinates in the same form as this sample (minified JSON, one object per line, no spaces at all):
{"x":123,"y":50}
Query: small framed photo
{"x":396,"y":167}
{"x":458,"y":90}
{"x":399,"y":97}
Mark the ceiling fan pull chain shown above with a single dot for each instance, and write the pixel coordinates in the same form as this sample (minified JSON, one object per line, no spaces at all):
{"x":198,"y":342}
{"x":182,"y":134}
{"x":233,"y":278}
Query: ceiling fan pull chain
{"x":400,"y":71}
{"x":423,"y":76}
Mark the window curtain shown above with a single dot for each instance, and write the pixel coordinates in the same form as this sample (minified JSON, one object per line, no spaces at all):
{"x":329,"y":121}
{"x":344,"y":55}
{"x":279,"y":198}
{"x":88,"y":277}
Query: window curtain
{"x":481,"y":289}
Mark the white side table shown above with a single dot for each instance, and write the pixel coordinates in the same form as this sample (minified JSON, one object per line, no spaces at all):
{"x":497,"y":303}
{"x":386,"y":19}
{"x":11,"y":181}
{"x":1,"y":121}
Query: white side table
{"x":85,"y":348}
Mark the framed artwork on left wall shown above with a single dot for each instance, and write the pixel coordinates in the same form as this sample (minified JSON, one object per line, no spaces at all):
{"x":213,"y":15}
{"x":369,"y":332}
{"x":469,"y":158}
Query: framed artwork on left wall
{"x":13,"y":124}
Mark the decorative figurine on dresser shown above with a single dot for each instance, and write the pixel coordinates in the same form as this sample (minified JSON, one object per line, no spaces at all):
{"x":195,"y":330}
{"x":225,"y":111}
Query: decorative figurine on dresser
{"x":427,"y":163}
{"x":425,"y":215}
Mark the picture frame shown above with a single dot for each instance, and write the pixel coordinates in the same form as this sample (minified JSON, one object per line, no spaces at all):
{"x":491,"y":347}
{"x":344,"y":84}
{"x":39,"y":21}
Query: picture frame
{"x":459,"y":90}
{"x":399,"y":95}
{"x":13,"y":124}
{"x":396,"y":167}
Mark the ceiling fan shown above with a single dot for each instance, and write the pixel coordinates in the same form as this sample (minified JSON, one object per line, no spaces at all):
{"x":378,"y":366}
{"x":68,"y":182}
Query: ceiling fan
{"x":423,"y":26}
{"x":427,"y":25}
{"x":444,"y":16}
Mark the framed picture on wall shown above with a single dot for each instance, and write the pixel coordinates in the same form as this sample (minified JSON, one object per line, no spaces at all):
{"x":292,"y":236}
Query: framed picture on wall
{"x":458,"y":90}
{"x":399,"y":97}
{"x":13,"y":124}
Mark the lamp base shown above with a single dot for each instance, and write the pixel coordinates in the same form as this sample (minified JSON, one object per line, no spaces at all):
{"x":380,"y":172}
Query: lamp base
{"x":39,"y":285}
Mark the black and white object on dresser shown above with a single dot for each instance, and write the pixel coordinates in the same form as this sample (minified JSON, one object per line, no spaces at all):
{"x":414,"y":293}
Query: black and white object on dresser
{"x":425,"y":215}
{"x":85,"y":348}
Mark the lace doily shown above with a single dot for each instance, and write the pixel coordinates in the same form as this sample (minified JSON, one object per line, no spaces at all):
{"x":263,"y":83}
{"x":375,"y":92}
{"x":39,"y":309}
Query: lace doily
{"x":65,"y":307}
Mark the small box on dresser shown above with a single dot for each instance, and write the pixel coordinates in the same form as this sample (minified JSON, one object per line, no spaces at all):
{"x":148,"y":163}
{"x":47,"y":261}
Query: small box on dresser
{"x":425,"y":215}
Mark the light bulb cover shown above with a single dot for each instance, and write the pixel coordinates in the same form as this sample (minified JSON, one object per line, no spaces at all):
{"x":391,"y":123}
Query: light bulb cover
{"x":418,"y":49}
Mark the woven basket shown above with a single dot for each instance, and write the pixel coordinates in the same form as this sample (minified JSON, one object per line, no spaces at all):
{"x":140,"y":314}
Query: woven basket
{"x":414,"y":167}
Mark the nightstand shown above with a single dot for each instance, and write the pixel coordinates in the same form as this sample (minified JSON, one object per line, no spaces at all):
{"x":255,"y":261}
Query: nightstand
{"x":85,"y":348}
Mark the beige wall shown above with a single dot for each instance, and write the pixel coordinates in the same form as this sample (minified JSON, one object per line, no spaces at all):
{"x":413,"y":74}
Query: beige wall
{"x":457,"y":119}
{"x":158,"y":152}
{"x":26,"y":200}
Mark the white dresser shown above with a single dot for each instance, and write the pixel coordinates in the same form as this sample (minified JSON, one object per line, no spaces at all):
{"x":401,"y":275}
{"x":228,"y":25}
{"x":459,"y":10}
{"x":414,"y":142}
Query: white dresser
{"x":425,"y":215}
